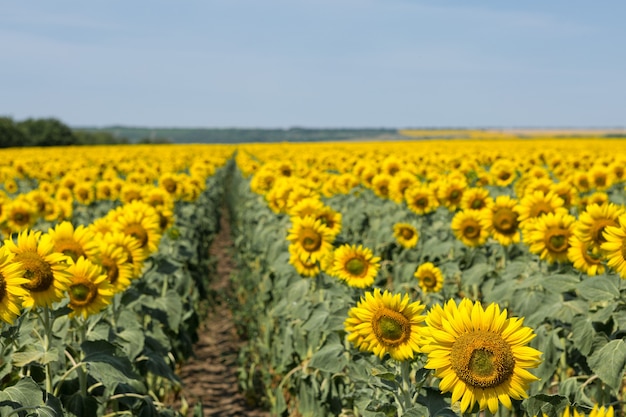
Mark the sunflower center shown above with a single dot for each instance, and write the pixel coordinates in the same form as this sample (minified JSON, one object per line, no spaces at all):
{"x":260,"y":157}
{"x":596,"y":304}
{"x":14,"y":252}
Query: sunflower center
{"x":482,"y":359}
{"x":478,"y":204}
{"x":356,"y":266}
{"x":37,"y":270}
{"x":429,"y":280}
{"x":138,"y":232}
{"x":20,"y":218}
{"x":82,"y":294}
{"x":407,"y":233}
{"x":112,"y":270}
{"x":556,"y":240}
{"x":505,"y":221}
{"x":471,"y":229}
{"x":422,"y":202}
{"x":391,"y":327}
{"x":598,"y":228}
{"x":169,"y":185}
{"x":455,"y":195}
{"x":310,"y":240}
{"x":69,"y":247}
{"x":384,"y":190}
{"x":540,"y":209}
{"x":504,"y":176}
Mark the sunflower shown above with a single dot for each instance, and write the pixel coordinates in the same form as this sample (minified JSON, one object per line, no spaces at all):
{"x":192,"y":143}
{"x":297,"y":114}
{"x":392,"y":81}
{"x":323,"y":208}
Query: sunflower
{"x":476,"y":199}
{"x":503,"y":172}
{"x":309,"y":206}
{"x":304,"y":268}
{"x":549,"y":236}
{"x":584,"y":256}
{"x":398,"y":185}
{"x":601,"y":411}
{"x":114,"y":262}
{"x":421,"y":199}
{"x":480,"y":355}
{"x":615,"y":246}
{"x":73,"y":242}
{"x":89,"y":290}
{"x":330,"y":218}
{"x":536,"y":204}
{"x":600,"y":177}
{"x":84,"y":192}
{"x":131,"y":247}
{"x":170,"y":182}
{"x":380,"y":184}
{"x":11,"y":282}
{"x":450,"y":192}
{"x":567,"y":192}
{"x":501,"y":221}
{"x":470,"y":227}
{"x":19,"y":215}
{"x":429,"y":277}
{"x":132,"y":192}
{"x":311,"y":238}
{"x":386,"y":323}
{"x":44,"y":268}
{"x":139,"y":220}
{"x":355,"y":265}
{"x":592,"y":222}
{"x":105,"y":190}
{"x":406,"y":234}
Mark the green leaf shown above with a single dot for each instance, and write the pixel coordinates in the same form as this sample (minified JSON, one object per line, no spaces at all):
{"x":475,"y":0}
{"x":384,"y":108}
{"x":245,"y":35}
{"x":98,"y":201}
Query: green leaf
{"x":105,"y":365}
{"x":476,"y":274}
{"x":435,"y":402}
{"x":582,"y":334}
{"x":81,"y":406}
{"x":560,"y":283}
{"x":550,"y":405}
{"x":25,"y":393}
{"x":330,"y":358}
{"x":608,"y":363}
{"x":600,"y":288}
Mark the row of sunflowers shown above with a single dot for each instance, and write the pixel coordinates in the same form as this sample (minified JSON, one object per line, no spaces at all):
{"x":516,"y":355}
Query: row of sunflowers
{"x":433,"y":277}
{"x":103,"y":275}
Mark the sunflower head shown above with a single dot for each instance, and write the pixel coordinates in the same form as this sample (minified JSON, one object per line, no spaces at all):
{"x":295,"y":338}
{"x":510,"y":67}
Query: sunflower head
{"x":429,"y":277}
{"x":386,"y":323}
{"x":406,"y":234}
{"x":480,"y":355}
{"x":355,"y":265}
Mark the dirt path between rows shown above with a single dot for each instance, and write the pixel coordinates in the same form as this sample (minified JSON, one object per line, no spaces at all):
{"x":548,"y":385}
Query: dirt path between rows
{"x":210,"y":376}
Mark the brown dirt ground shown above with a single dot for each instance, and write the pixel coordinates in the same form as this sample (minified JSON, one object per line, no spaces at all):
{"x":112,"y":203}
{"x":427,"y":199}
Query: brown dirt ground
{"x":210,"y":376}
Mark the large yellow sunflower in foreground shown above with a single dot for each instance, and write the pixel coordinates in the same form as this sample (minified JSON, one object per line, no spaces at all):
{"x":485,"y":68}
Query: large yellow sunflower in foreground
{"x":480,"y":355}
{"x":386,"y":323}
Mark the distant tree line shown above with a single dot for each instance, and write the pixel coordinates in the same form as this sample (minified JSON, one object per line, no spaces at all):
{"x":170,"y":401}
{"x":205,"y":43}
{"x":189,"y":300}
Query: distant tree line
{"x":50,"y":132}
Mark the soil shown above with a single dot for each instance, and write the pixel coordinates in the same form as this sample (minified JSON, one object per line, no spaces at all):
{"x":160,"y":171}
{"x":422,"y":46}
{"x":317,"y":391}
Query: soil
{"x":210,"y":376}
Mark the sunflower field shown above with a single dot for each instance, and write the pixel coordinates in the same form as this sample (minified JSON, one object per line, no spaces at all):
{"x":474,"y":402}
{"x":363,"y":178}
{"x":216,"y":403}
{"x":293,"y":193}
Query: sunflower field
{"x":416,"y":278}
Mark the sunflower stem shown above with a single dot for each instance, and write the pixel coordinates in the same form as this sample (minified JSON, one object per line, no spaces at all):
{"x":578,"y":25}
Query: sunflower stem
{"x":405,"y":397}
{"x":82,"y":375}
{"x":47,"y":337}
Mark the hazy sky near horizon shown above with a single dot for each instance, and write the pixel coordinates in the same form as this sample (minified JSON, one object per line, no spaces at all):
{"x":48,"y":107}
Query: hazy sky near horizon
{"x":315,"y":63}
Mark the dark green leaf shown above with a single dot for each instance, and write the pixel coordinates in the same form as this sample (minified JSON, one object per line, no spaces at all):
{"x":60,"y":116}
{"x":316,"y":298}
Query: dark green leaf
{"x":550,"y":405}
{"x":330,"y":358}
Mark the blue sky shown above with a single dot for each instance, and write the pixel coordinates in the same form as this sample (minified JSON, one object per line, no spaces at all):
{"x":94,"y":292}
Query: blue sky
{"x":322,"y":63}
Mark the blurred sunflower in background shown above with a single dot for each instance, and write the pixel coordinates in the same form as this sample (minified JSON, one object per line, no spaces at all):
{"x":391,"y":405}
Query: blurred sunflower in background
{"x":476,"y":199}
{"x":501,"y":220}
{"x":585,"y":256}
{"x":470,"y":227}
{"x":594,"y":220}
{"x":615,"y":246}
{"x":549,"y":236}
{"x":310,"y":238}
{"x":421,"y":199}
{"x":480,"y":355}
{"x":72,"y":242}
{"x":384,"y":323}
{"x":429,"y":277}
{"x":406,"y":235}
